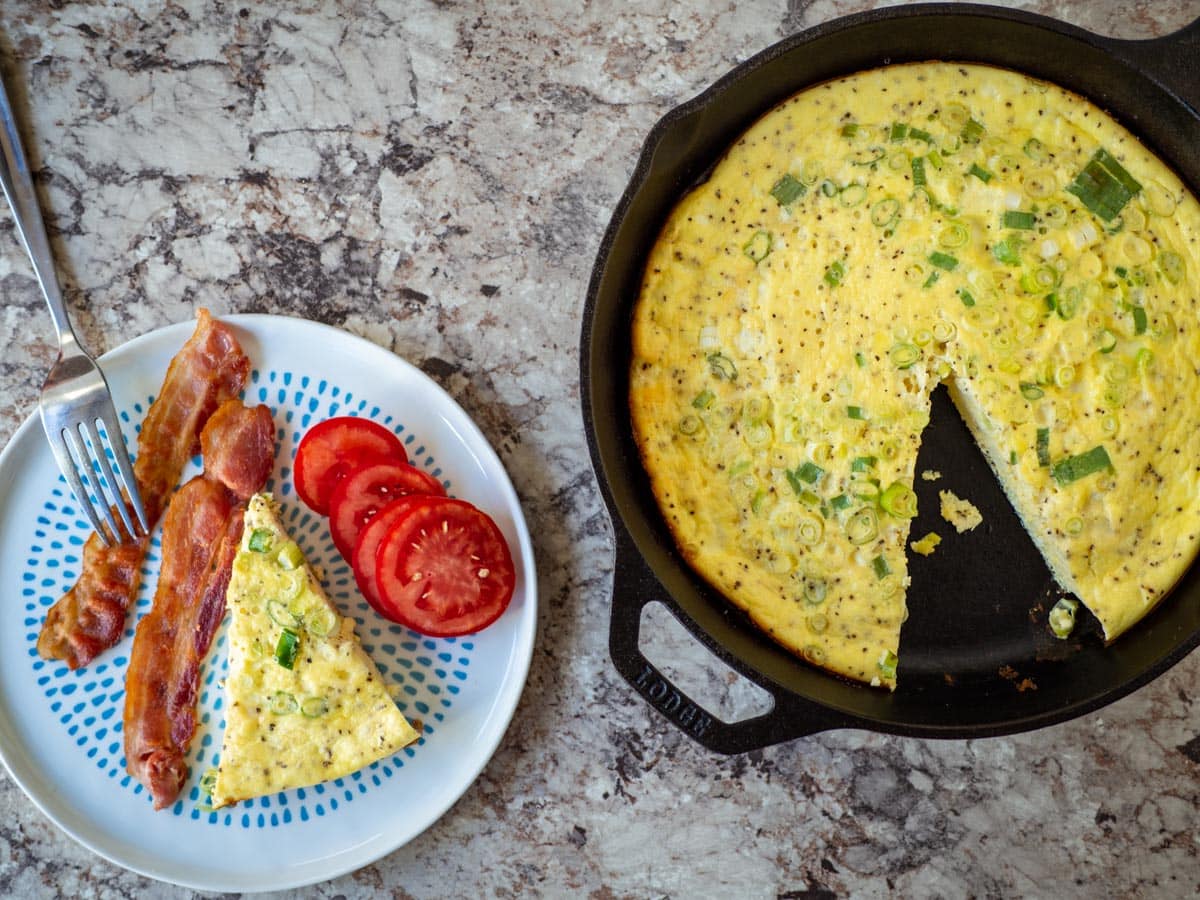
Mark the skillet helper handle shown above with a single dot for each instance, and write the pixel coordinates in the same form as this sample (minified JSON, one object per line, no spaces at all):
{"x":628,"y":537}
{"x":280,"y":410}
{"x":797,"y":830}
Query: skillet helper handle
{"x":1171,"y":59}
{"x":635,"y":585}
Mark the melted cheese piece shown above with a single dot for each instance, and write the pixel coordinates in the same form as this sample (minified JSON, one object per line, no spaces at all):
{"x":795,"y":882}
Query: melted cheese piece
{"x":866,"y":240}
{"x":328,"y":715}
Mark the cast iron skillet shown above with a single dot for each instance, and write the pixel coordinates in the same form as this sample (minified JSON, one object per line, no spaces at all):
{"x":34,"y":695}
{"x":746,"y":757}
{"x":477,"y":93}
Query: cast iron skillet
{"x":977,"y":658}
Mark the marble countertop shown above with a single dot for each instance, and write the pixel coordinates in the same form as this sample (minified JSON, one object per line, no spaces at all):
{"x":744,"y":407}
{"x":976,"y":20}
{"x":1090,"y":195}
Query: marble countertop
{"x":436,"y":176}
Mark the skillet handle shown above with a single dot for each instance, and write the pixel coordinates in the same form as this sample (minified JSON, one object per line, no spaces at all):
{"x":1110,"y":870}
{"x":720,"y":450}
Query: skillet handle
{"x":635,"y":585}
{"x":1171,"y":59}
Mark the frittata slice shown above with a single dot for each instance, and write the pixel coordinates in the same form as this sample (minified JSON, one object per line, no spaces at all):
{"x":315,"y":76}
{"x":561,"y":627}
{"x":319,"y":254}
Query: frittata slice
{"x":305,"y":703}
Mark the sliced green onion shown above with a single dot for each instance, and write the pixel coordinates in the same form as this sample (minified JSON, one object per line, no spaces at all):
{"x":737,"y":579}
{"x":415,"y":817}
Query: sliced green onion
{"x":1071,"y":469}
{"x":1104,"y":186}
{"x":899,"y":132}
{"x":884,"y":212}
{"x":855,"y":412}
{"x":1172,"y":266}
{"x":863,"y":463}
{"x":1012,"y":458}
{"x":260,"y":540}
{"x":899,"y":500}
{"x":321,"y":621}
{"x":810,"y":531}
{"x":887,"y":664}
{"x":954,"y":116}
{"x":980,"y":172}
{"x":1043,"y":447}
{"x":860,"y":360}
{"x":1067,"y":304}
{"x":283,"y":704}
{"x":850,"y":129}
{"x":840,"y":502}
{"x":1040,"y":280}
{"x":828,"y":188}
{"x":690,"y":425}
{"x":943,"y":260}
{"x":852,"y":195}
{"x":954,"y":235}
{"x":1143,"y":360}
{"x":290,"y":556}
{"x":943,"y":331}
{"x":918,"y":171}
{"x":814,"y":591}
{"x":903,"y":356}
{"x":972,"y":132}
{"x":1015,"y":218}
{"x":932,"y":279}
{"x":935,"y":159}
{"x":314,"y":707}
{"x":1062,"y":617}
{"x":1074,"y":526}
{"x":867,"y":156}
{"x":809,"y":473}
{"x":835,"y":273}
{"x":1139,"y":319}
{"x":281,"y":615}
{"x":1008,"y":251}
{"x":758,"y":501}
{"x":704,"y":399}
{"x":788,"y":189}
{"x":722,"y":366}
{"x":1031,"y":391}
{"x":1035,"y":149}
{"x":862,"y":527}
{"x":758,"y":247}
{"x":918,"y":134}
{"x":881,"y":567}
{"x":287,"y":648}
{"x":1107,"y":341}
{"x":965,"y":296}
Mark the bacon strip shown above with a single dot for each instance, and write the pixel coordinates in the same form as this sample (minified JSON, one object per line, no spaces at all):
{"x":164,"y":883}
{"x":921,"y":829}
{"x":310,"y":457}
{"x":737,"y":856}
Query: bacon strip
{"x":201,"y":534}
{"x":208,"y":370}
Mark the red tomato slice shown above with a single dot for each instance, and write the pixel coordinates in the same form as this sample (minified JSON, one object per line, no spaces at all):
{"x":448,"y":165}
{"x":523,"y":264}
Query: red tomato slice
{"x":365,"y":491}
{"x":444,"y":569}
{"x":365,"y":555}
{"x":334,"y":448}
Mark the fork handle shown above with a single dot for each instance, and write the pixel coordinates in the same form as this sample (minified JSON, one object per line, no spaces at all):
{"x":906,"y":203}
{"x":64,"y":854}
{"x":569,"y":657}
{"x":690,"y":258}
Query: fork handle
{"x":17,"y":182}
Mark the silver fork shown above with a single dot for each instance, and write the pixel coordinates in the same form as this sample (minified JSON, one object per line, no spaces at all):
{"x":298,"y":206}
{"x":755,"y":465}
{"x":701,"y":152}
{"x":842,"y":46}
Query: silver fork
{"x":75,"y":398}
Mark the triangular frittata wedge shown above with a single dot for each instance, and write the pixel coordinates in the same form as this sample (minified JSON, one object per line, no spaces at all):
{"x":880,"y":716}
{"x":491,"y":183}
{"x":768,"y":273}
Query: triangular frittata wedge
{"x":305,"y":703}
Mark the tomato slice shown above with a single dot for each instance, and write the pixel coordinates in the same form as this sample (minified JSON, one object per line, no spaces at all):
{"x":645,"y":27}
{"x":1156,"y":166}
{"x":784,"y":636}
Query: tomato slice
{"x":364,"y":557}
{"x":365,"y":491}
{"x":334,"y":448}
{"x":444,"y":569}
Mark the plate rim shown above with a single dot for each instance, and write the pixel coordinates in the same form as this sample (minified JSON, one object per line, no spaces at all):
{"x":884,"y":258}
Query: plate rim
{"x":514,"y":679}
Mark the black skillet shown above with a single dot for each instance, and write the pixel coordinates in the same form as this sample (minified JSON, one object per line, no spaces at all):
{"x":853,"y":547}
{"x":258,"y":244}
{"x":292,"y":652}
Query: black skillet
{"x":977,"y":658}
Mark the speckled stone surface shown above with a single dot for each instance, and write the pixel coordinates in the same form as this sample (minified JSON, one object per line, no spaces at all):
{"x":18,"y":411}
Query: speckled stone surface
{"x":436,"y":177}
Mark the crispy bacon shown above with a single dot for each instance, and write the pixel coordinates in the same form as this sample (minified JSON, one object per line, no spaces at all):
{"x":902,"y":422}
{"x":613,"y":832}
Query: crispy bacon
{"x":201,"y":533}
{"x":208,"y":370}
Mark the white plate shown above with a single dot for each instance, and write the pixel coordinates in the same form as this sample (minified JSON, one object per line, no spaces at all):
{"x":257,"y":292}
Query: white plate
{"x":60,"y":732}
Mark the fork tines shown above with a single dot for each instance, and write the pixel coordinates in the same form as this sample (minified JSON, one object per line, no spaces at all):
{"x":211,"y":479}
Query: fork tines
{"x":84,"y":460}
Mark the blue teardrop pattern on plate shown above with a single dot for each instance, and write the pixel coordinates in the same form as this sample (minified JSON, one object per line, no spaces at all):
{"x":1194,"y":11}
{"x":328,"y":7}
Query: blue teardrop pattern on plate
{"x":88,"y":703}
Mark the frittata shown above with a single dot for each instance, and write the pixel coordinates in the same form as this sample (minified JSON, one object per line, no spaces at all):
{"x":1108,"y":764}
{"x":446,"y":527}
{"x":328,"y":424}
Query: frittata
{"x":305,"y":703}
{"x":866,"y":240}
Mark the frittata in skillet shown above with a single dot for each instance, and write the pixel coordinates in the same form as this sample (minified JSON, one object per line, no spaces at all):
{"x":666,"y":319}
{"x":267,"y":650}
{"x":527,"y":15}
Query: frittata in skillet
{"x":866,"y":240}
